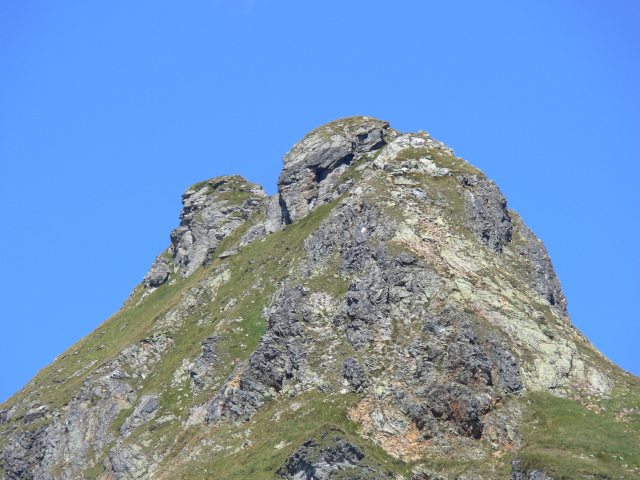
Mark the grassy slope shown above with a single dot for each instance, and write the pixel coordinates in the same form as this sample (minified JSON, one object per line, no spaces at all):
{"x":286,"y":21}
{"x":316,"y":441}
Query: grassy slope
{"x":571,"y":439}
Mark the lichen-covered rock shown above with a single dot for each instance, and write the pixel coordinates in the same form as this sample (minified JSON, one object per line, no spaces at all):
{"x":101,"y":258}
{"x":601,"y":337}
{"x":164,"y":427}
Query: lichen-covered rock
{"x":159,"y":272}
{"x":331,"y":456}
{"x":200,"y":371}
{"x":144,"y":411}
{"x":313,"y":166}
{"x":126,"y":462}
{"x":138,"y":359}
{"x":211,"y":211}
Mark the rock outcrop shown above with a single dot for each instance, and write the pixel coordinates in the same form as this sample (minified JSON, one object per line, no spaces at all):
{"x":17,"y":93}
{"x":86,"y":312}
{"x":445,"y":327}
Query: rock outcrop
{"x":487,"y":210}
{"x":411,"y":328}
{"x":211,"y":211}
{"x":332,"y":456}
{"x":312,"y":168}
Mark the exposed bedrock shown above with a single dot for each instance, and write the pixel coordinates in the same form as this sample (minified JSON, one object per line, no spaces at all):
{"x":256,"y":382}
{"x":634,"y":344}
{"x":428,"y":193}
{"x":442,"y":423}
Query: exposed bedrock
{"x":487,"y":212}
{"x":331,"y":455}
{"x":211,"y":211}
{"x":312,"y":167}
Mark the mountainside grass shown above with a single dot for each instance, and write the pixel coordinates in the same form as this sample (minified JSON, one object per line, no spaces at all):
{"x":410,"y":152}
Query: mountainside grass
{"x":570,"y":440}
{"x":275,"y":433}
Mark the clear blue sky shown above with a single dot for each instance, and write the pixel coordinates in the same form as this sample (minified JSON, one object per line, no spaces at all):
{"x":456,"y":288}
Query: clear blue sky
{"x":110,"y":110}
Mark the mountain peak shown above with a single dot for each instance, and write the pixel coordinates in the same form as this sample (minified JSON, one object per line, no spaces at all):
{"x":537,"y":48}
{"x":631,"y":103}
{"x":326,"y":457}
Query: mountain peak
{"x":383,"y":315}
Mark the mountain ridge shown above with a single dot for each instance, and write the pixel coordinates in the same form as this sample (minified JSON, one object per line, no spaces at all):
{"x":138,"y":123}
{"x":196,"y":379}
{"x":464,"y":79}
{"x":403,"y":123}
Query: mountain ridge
{"x":438,"y":311}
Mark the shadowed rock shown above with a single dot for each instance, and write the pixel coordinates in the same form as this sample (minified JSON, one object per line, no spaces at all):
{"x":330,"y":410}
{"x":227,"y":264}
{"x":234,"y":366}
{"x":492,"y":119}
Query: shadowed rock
{"x":331,"y":456}
{"x":312,"y":167}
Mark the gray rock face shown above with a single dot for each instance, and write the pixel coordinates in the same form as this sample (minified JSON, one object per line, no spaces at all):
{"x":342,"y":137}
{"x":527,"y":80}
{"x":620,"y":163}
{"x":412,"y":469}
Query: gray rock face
{"x":457,"y":403}
{"x":228,"y":253}
{"x":331,"y":456}
{"x":420,"y":414}
{"x":505,"y":369}
{"x":487,"y":212}
{"x":276,"y":217}
{"x":211,"y":211}
{"x":276,"y":214}
{"x":389,"y":285}
{"x":545,"y":280}
{"x":279,"y":355}
{"x":312,"y":167}
{"x":254,"y":233}
{"x":36,"y":413}
{"x":24,"y":451}
{"x":472,"y":374}
{"x":353,"y":230}
{"x":201,"y":368}
{"x":126,"y":462}
{"x":84,"y":427}
{"x":159,"y":272}
{"x":144,"y":411}
{"x":353,"y":373}
{"x":516,"y":470}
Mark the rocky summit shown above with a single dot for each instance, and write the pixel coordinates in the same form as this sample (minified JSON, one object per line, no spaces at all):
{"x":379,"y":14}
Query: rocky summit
{"x":384,"y":315}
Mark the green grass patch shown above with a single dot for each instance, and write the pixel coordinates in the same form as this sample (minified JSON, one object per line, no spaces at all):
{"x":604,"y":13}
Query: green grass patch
{"x":570,"y":441}
{"x":273,"y":440}
{"x":94,"y":472}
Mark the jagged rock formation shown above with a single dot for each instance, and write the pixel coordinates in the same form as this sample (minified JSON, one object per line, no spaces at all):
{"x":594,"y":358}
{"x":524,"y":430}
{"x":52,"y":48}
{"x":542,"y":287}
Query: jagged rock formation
{"x":313,"y":166}
{"x":383,"y":315}
{"x":211,"y":211}
{"x":330,"y":456}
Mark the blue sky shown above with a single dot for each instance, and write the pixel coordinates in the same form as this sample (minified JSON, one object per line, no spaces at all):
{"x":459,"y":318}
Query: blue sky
{"x":110,"y":110}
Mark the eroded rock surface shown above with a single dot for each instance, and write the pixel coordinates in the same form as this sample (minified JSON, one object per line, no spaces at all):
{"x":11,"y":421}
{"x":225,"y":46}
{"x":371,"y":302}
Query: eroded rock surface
{"x":144,"y":411}
{"x":211,"y":211}
{"x":83,"y":428}
{"x":331,"y":456}
{"x":313,"y":166}
{"x":487,"y":210}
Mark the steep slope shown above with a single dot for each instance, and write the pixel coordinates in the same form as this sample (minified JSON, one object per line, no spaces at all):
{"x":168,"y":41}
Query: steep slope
{"x":384,"y":315}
